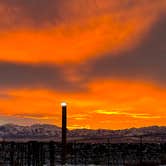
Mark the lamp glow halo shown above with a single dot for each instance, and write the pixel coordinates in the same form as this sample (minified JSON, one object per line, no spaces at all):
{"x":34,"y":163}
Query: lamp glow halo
{"x":63,"y":104}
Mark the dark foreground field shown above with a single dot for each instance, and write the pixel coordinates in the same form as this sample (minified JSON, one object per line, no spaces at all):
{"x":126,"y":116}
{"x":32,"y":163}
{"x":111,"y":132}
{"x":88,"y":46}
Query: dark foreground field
{"x":49,"y":154}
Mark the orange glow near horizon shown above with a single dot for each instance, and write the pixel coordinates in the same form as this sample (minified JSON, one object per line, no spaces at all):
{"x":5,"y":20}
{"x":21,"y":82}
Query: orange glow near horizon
{"x":107,"y":28}
{"x":135,"y":104}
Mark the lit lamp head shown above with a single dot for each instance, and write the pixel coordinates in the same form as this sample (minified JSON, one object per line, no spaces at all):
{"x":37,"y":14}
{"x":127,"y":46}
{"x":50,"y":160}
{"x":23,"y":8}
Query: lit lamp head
{"x":63,"y":104}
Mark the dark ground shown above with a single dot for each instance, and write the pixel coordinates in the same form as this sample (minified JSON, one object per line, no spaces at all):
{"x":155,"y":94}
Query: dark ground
{"x":40,"y":154}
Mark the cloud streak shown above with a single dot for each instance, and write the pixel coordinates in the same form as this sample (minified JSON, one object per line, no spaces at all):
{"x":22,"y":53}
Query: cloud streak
{"x":147,"y":62}
{"x":37,"y":13}
{"x":133,"y":115}
{"x":15,"y":75}
{"x":59,"y":31}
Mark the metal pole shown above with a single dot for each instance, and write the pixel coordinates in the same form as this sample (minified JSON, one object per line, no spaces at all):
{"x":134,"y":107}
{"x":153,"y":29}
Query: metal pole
{"x":64,"y":131}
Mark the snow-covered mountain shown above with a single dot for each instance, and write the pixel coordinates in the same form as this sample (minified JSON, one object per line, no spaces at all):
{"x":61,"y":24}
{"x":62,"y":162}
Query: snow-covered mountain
{"x":51,"y":132}
{"x":36,"y":131}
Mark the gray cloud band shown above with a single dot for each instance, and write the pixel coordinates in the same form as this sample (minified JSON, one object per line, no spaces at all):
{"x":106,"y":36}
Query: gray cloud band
{"x":43,"y":13}
{"x":147,"y":62}
{"x":35,"y":76}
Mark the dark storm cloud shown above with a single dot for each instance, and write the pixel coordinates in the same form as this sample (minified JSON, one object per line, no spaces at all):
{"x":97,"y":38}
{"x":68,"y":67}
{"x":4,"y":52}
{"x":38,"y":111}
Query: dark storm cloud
{"x":31,"y":76}
{"x":42,"y":13}
{"x":37,"y":13}
{"x":146,"y":62}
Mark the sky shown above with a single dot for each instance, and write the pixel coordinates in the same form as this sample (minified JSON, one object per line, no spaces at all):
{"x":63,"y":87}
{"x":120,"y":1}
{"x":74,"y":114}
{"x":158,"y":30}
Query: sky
{"x":105,"y":58}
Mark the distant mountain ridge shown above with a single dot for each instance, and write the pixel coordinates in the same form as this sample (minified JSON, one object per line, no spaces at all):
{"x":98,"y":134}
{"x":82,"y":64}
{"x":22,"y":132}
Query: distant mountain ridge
{"x":46,"y":132}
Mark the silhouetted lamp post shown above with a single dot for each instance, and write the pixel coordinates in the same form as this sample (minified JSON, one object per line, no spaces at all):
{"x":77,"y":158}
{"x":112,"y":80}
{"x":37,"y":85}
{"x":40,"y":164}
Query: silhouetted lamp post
{"x":64,"y":131}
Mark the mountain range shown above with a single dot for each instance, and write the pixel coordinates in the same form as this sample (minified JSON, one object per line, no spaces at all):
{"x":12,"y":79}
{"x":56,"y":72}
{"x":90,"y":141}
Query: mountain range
{"x":46,"y":132}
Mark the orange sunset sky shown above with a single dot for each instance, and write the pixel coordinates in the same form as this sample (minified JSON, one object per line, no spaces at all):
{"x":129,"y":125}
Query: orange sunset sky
{"x":105,"y":58}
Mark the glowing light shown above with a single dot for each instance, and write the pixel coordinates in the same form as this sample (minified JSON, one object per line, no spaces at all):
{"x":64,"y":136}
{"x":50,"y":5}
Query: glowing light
{"x":63,"y":104}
